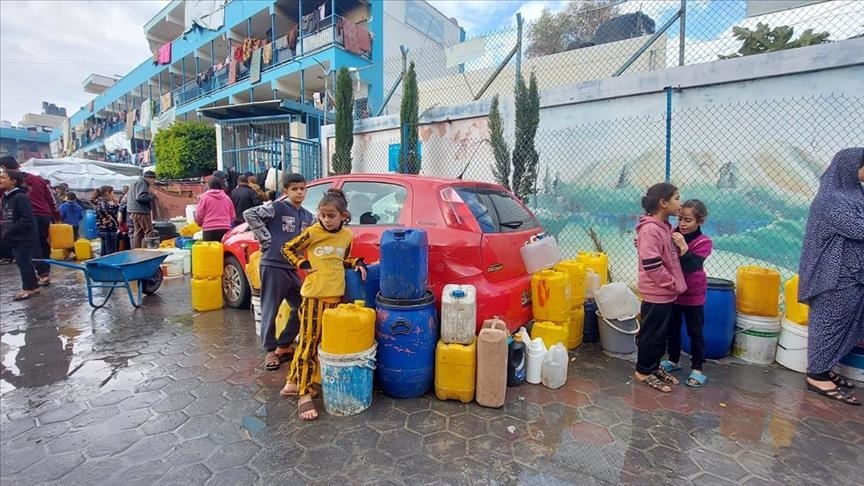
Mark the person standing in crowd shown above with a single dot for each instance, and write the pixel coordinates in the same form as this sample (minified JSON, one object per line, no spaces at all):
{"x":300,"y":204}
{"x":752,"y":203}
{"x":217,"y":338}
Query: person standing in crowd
{"x":252,"y":179}
{"x":832,"y":274}
{"x":139,"y":205}
{"x":106,"y":218}
{"x":215,"y":211}
{"x":71,"y":212}
{"x":243,"y":197}
{"x":122,"y":221}
{"x":19,"y":229}
{"x":273,"y":225}
{"x":59,"y":193}
{"x":45,"y":212}
{"x":6,"y":255}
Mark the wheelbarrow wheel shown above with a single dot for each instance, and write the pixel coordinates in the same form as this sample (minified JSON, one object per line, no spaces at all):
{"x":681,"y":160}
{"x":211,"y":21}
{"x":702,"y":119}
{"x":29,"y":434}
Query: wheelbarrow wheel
{"x":151,"y":285}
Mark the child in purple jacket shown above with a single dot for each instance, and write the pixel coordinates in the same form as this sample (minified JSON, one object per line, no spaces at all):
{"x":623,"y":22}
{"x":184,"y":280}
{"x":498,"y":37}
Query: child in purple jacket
{"x":660,"y":283}
{"x":693,"y":248}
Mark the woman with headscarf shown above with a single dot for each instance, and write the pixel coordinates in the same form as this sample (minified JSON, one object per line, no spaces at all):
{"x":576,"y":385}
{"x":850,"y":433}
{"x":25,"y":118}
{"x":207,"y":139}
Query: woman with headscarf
{"x":832,"y":273}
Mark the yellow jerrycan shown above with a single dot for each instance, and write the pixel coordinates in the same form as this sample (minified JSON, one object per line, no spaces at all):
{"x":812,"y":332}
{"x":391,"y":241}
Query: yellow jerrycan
{"x":348,"y":329}
{"x":83,"y":249}
{"x":757,"y":291}
{"x":575,"y":328}
{"x":550,"y":295}
{"x":207,"y":259}
{"x":551,"y":332}
{"x":576,"y":271}
{"x":599,"y":262}
{"x":61,"y":236}
{"x":455,"y":371}
{"x":206,"y":294}
{"x":253,"y":270}
{"x":795,"y":311}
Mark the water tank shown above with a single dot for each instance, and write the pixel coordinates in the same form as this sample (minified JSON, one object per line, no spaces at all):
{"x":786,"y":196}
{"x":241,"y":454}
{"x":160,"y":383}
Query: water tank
{"x":623,"y":27}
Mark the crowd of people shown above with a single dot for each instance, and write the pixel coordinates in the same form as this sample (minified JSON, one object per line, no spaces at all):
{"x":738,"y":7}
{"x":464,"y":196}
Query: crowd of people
{"x":672,"y":280}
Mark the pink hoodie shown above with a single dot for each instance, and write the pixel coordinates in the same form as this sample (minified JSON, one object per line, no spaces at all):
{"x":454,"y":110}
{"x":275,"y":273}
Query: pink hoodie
{"x":214,"y":211}
{"x":660,"y":277}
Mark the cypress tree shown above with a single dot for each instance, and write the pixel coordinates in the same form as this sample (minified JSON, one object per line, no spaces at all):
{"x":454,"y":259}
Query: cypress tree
{"x":341,"y":163}
{"x":409,"y":114}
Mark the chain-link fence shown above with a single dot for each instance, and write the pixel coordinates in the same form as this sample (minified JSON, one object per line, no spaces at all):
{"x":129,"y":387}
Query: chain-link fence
{"x":597,"y":39}
{"x":755,"y":164}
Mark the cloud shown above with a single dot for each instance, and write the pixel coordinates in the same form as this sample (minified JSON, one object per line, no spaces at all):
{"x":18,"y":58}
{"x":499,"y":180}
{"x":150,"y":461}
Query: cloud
{"x":47,"y":49}
{"x":477,"y":16}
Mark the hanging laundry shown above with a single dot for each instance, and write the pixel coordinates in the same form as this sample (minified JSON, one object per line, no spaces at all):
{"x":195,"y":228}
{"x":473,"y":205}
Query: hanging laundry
{"x":282,"y":42}
{"x":130,"y":124}
{"x":232,"y":72}
{"x":144,"y":120}
{"x":163,"y":55}
{"x":267,"y":53}
{"x":309,"y":23}
{"x":292,"y":38}
{"x":237,"y":52}
{"x":255,"y":68}
{"x":356,"y":38}
{"x":165,"y":101}
{"x":163,"y":120}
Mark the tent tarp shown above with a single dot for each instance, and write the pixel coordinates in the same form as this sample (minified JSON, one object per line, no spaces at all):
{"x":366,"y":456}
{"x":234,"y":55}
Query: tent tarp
{"x":79,"y":177}
{"x":125,"y":169}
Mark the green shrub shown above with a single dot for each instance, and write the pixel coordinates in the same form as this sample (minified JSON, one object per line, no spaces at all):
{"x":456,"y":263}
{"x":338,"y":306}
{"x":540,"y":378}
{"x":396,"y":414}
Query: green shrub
{"x":186,"y":149}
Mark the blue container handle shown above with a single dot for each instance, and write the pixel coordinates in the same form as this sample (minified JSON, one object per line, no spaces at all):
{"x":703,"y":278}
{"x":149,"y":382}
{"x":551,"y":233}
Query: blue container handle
{"x":399,"y":233}
{"x":401,"y":326}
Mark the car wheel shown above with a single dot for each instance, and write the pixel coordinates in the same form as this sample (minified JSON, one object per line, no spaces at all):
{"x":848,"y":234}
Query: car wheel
{"x":235,"y":287}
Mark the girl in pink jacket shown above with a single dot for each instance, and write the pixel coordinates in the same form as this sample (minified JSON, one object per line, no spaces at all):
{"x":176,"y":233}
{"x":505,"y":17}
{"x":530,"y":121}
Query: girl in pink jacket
{"x":215,"y":211}
{"x":661,"y":281}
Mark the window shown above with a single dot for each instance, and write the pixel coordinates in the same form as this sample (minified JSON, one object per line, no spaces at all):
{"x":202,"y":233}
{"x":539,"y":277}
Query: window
{"x":497,"y":211}
{"x":313,"y":197}
{"x":374,"y":203}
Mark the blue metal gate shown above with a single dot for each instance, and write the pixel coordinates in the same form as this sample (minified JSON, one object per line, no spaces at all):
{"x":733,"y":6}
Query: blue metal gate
{"x":257,"y":144}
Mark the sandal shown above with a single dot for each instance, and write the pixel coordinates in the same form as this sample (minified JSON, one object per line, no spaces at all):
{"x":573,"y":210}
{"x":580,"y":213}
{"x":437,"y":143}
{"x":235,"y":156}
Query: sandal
{"x":666,"y":377}
{"x":696,"y":379}
{"x":25,"y":294}
{"x":304,"y":409}
{"x":840,"y":381}
{"x":669,"y":366}
{"x":271,"y":361}
{"x":654,"y":382}
{"x":44,"y":281}
{"x":287,"y":354}
{"x":835,"y":394}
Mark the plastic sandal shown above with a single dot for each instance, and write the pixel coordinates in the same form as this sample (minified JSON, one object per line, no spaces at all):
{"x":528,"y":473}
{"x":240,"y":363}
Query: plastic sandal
{"x":835,"y":394}
{"x":662,"y":375}
{"x":653,"y":382}
{"x":696,"y":379}
{"x":25,"y":294}
{"x":304,"y":407}
{"x":271,"y":361}
{"x":840,"y":381}
{"x":669,"y":366}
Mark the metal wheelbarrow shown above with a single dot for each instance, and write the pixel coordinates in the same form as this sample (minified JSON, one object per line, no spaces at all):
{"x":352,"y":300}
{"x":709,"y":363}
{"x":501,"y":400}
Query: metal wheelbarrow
{"x":118,"y":270}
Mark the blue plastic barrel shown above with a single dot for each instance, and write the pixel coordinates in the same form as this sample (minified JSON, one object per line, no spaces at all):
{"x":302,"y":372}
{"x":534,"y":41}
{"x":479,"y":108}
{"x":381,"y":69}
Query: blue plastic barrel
{"x":590,"y":328}
{"x":373,"y":284}
{"x":719,"y":329}
{"x":404,"y":263}
{"x":87,"y":227}
{"x":407,"y":332}
{"x":346,"y":381}
{"x":353,"y":286}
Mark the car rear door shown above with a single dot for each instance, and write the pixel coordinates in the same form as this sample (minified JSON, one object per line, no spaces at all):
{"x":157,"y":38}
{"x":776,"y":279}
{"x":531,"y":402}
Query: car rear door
{"x":375,"y":206}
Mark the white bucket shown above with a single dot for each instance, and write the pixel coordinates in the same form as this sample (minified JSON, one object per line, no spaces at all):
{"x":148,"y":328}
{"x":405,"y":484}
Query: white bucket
{"x":756,"y":338}
{"x":174,"y":265}
{"x":187,"y":260}
{"x":792,"y":346}
{"x":96,"y":247}
{"x":536,"y":351}
{"x":256,"y":313}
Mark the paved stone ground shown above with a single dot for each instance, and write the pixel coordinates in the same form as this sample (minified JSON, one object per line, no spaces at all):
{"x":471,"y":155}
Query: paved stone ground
{"x":166,"y":396}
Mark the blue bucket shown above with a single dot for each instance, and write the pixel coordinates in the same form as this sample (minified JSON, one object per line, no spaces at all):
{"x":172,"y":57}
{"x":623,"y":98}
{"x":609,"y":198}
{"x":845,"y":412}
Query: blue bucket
{"x":346,"y":381}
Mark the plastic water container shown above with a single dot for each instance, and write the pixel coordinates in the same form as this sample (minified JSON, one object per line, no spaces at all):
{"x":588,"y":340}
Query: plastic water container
{"x":255,"y":307}
{"x":554,"y":372}
{"x":253,"y":270}
{"x":173,"y":265}
{"x":540,"y":252}
{"x":575,"y":328}
{"x":590,"y":329}
{"x":353,"y":286}
{"x":206,"y":294}
{"x":719,"y":329}
{"x":534,"y":360}
{"x":83,"y":250}
{"x":795,"y":311}
{"x":372,"y":285}
{"x":592,"y":283}
{"x":756,"y":338}
{"x":61,"y":236}
{"x":87,"y":227}
{"x":190,"y":212}
{"x":455,"y":371}
{"x":516,"y":356}
{"x":58,"y":254}
{"x":576,"y":271}
{"x":348,"y":329}
{"x":458,"y":313}
{"x":407,"y":333}
{"x":616,"y":301}
{"x":618,"y":336}
{"x":550,"y":296}
{"x":598,"y":262}
{"x":758,"y":291}
{"x":207,"y":260}
{"x":187,"y":260}
{"x":346,"y":381}
{"x":492,"y":363}
{"x":404,"y":264}
{"x":792,"y":346}
{"x":552,"y":333}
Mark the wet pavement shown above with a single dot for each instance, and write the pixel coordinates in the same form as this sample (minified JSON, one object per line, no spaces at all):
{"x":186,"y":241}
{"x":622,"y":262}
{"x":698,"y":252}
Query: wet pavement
{"x":163,"y":395}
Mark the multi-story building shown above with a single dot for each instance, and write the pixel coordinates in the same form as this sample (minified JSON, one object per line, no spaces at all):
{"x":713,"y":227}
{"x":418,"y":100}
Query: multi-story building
{"x":258,"y":70}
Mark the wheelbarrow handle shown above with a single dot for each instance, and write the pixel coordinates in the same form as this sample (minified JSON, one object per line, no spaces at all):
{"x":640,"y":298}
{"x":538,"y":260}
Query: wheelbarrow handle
{"x":76,"y":266}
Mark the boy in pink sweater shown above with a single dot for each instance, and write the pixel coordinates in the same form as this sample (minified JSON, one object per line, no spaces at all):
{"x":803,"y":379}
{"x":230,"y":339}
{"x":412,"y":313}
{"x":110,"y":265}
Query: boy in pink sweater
{"x":660,"y":283}
{"x":694,"y":248}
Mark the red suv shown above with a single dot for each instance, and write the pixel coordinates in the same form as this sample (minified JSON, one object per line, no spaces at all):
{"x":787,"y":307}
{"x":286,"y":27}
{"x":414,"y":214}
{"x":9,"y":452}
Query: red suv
{"x":475,"y":230}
